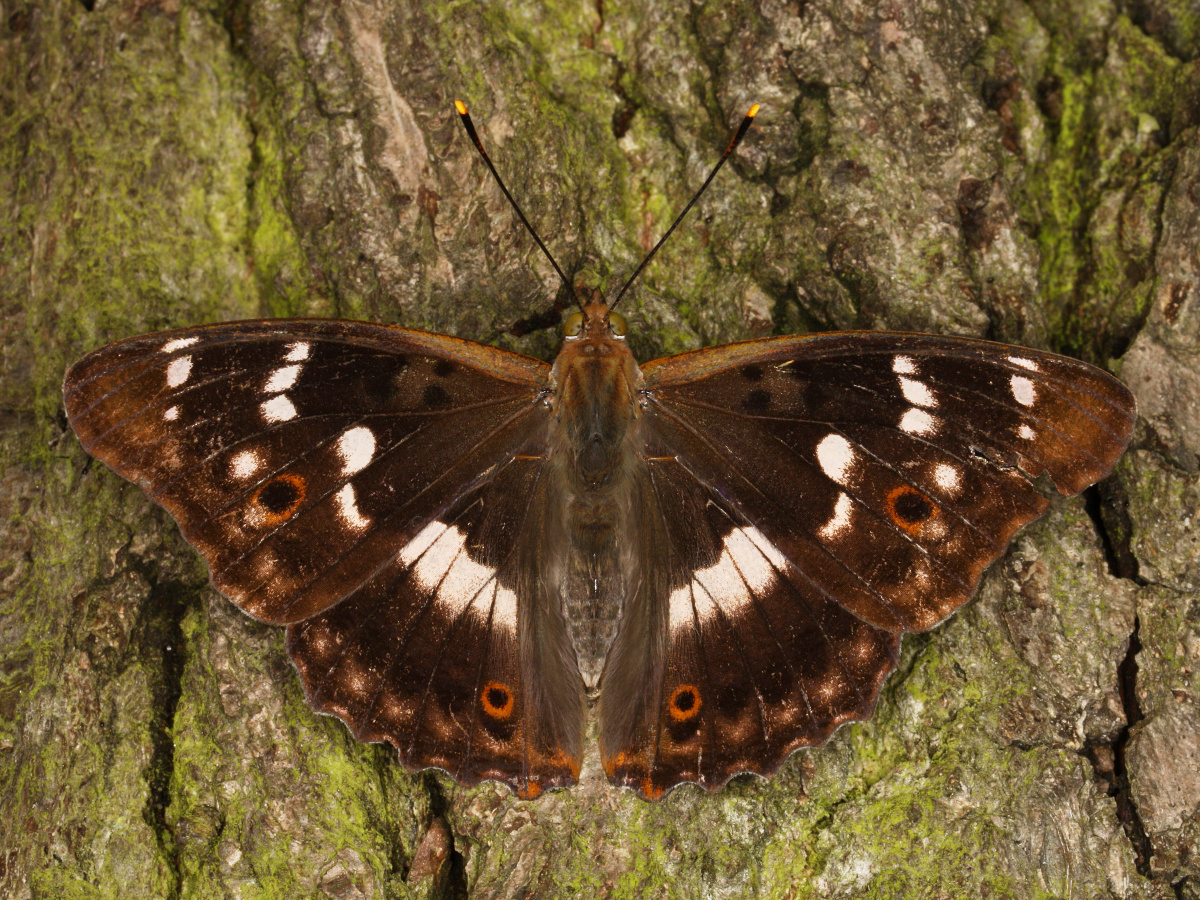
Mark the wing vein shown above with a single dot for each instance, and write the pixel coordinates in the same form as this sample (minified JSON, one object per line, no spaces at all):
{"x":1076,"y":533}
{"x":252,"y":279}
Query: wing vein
{"x":302,"y":590}
{"x":754,"y":488}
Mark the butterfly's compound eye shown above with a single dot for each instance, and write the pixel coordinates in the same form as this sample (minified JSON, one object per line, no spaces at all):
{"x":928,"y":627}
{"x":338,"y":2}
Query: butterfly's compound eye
{"x":573,"y":325}
{"x":617,"y":324}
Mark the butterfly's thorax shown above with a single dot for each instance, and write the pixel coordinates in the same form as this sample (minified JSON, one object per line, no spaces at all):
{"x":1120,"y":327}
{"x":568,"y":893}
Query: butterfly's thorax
{"x":594,"y":435}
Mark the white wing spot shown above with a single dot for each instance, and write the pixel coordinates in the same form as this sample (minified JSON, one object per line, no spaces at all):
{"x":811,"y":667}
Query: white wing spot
{"x":917,"y":421}
{"x":917,"y":393}
{"x":245,"y":464}
{"x":840,"y":520}
{"x":178,"y":371}
{"x":766,"y":548}
{"x":439,"y":559}
{"x":278,"y":409}
{"x":836,"y":457}
{"x":680,"y":615}
{"x":1023,"y":390}
{"x":504,"y":609}
{"x":179,"y":344}
{"x":1026,"y":432}
{"x":1024,"y":363}
{"x":298,"y":352}
{"x":723,"y":581}
{"x":756,"y":557}
{"x":171,"y":414}
{"x":282,"y":379}
{"x":348,"y":508}
{"x":904,"y":365}
{"x":747,"y":566}
{"x":356,"y":447}
{"x":424,"y":539}
{"x":947,"y":477}
{"x":707,"y":608}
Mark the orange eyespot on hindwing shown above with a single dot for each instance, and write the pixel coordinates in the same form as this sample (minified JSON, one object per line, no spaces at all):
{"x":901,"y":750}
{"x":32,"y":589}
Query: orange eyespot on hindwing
{"x":684,"y":704}
{"x":280,"y":497}
{"x":497,"y":700}
{"x":910,"y":509}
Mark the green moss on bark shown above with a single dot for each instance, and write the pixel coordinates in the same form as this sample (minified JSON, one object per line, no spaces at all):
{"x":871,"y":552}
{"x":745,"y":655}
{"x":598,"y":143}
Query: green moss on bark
{"x":172,"y":163}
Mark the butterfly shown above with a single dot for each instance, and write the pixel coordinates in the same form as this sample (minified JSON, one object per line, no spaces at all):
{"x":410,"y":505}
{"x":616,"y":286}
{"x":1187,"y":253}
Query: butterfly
{"x":716,"y":553}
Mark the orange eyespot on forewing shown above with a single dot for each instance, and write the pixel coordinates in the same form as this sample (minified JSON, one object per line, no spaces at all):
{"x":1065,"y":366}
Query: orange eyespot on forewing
{"x":279,"y":498}
{"x":684,"y":704}
{"x":497,"y":700}
{"x":910,"y":509}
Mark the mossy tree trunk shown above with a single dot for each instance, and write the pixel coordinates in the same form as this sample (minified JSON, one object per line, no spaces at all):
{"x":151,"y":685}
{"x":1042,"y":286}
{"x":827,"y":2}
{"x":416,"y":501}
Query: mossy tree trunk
{"x":1028,"y":172}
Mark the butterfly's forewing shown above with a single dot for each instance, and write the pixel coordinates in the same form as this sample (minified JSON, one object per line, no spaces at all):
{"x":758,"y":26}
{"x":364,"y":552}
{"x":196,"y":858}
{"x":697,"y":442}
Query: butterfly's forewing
{"x":373,"y":488}
{"x":841,"y":489}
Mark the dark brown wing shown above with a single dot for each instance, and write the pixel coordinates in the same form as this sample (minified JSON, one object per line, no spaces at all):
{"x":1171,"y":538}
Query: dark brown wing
{"x":370,"y":487}
{"x":835,"y":491}
{"x":732,"y":658}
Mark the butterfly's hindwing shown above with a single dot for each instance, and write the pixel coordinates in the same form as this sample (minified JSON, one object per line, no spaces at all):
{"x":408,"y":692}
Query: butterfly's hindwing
{"x":309,"y":462}
{"x":756,"y":659}
{"x":433,"y":653}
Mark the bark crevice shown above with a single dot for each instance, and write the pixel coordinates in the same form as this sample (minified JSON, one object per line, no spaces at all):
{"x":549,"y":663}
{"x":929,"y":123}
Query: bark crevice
{"x":161,"y":648}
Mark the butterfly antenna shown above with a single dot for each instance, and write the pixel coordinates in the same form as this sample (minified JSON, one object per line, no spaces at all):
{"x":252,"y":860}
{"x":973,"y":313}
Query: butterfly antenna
{"x":470,"y":126}
{"x":741,"y":132}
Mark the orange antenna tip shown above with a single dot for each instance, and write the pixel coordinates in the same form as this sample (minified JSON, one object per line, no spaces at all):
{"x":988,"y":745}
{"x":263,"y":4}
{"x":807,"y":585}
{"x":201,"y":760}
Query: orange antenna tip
{"x":734,"y":141}
{"x":471,"y":133}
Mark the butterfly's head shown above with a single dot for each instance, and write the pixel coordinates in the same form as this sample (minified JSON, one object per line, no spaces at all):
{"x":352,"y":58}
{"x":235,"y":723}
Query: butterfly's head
{"x":595,"y":322}
{"x":594,"y":349}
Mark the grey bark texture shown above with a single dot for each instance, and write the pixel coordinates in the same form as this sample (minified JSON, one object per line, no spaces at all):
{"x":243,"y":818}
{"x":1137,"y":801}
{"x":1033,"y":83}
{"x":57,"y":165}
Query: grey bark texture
{"x":1024,"y":171}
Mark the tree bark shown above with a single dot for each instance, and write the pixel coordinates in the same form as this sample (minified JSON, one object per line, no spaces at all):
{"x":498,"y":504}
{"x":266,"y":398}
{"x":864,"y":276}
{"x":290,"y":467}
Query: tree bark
{"x":1027,"y":172}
